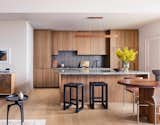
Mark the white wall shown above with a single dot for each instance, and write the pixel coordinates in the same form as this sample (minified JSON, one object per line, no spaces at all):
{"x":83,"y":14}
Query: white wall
{"x":29,"y":55}
{"x":18,"y":36}
{"x":149,"y":45}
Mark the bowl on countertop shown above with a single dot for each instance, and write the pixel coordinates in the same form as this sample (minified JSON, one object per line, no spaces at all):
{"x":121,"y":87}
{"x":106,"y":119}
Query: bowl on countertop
{"x":117,"y":70}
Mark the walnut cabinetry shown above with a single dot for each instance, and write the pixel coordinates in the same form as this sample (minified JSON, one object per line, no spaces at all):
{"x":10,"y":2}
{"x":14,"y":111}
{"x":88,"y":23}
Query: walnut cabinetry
{"x":42,"y":49}
{"x":83,"y":44}
{"x":125,"y":38}
{"x":99,"y":45}
{"x":63,"y":40}
{"x":7,"y":84}
{"x":44,"y":75}
{"x":91,"y":45}
{"x":48,"y":43}
{"x":45,"y":78}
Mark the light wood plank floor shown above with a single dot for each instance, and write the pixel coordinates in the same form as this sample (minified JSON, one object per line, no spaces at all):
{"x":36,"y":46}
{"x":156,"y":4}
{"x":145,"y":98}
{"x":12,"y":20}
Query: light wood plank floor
{"x":44,"y":104}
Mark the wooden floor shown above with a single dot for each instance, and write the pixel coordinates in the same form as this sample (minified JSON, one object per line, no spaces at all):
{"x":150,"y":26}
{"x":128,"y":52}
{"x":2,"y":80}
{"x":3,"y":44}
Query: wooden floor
{"x":44,"y":104}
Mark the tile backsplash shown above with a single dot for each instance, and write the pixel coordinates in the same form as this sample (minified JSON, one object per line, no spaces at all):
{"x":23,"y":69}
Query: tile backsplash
{"x":71,"y":59}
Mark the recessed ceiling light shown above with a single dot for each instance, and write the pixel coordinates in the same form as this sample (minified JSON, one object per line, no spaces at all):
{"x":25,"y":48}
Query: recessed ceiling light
{"x":95,"y":17}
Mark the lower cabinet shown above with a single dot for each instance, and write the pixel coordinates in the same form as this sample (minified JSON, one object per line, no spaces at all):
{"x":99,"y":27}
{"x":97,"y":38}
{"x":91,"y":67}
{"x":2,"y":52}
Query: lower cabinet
{"x":45,"y":78}
{"x":7,"y":84}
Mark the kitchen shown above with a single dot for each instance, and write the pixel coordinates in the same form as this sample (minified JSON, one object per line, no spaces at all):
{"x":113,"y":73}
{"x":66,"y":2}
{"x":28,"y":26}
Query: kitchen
{"x":89,"y":53}
{"x":67,"y":57}
{"x":69,"y":45}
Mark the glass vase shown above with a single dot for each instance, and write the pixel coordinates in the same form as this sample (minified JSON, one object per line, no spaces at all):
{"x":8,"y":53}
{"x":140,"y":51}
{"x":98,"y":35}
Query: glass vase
{"x":125,"y":66}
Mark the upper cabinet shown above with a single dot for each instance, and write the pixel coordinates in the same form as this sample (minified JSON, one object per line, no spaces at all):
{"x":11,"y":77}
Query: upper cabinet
{"x":91,"y":45}
{"x":99,"y":44}
{"x":67,"y":41}
{"x":83,"y":44}
{"x":125,"y":38}
{"x":42,"y":48}
{"x":62,"y":41}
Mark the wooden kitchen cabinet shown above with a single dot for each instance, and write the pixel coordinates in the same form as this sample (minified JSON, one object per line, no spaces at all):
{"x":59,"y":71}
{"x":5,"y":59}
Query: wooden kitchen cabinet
{"x":125,"y":38}
{"x":42,"y":48}
{"x":62,"y":41}
{"x":45,"y":78}
{"x":91,"y":45}
{"x":44,"y":75}
{"x":67,"y":41}
{"x":83,"y":44}
{"x":7,"y":84}
{"x":98,"y":44}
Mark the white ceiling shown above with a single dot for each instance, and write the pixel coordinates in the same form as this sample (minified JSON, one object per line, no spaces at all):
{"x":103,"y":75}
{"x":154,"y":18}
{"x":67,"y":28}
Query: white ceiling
{"x":71,"y":14}
{"x":79,"y":22}
{"x":79,"y":6}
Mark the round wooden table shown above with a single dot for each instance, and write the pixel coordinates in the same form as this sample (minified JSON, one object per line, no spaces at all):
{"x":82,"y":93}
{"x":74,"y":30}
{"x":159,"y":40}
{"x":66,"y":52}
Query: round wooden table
{"x":139,"y":83}
{"x":147,"y":89}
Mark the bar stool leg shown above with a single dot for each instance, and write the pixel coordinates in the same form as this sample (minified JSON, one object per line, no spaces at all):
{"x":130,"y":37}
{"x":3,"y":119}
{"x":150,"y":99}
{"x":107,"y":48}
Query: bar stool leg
{"x":77,"y":100}
{"x":92,"y":97}
{"x":70,"y":96}
{"x":82,"y":97}
{"x":106,"y":96}
{"x":102,"y":96}
{"x":64,"y":98}
{"x":90,"y":103}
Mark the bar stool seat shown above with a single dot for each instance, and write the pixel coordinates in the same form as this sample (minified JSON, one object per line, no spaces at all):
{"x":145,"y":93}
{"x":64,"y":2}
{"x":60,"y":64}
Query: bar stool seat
{"x":74,"y":101}
{"x":73,"y":84}
{"x":104,"y":96}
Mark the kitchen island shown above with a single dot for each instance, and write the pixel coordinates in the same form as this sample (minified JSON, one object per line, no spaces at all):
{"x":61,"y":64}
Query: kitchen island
{"x":86,"y":75}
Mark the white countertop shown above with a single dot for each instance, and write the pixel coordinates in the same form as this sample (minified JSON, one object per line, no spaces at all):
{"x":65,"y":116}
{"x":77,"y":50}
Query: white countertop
{"x":6,"y":72}
{"x":96,"y":71}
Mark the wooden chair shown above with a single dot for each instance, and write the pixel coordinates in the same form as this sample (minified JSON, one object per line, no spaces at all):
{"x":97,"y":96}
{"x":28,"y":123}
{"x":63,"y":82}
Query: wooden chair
{"x":156,"y":100}
{"x":133,"y":90}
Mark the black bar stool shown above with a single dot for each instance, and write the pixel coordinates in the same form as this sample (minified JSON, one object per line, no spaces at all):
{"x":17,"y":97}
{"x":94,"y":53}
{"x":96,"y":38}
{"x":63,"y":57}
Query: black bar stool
{"x":74,"y":101}
{"x":104,"y":96}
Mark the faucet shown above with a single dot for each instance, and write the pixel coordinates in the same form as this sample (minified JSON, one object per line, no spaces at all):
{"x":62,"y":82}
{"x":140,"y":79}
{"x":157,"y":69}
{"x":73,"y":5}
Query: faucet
{"x":95,"y":63}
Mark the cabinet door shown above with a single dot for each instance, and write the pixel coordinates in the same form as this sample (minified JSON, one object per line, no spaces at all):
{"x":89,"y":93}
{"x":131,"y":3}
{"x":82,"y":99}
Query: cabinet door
{"x":55,"y":43}
{"x":126,"y":38}
{"x":83,"y":45}
{"x":37,"y":78}
{"x":67,"y":43}
{"x":98,"y":44}
{"x":45,"y":78}
{"x":5,"y":84}
{"x":62,"y":41}
{"x":42,"y":49}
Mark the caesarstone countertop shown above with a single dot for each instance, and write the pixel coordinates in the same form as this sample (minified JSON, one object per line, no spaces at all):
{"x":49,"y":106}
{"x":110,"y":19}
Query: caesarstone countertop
{"x":96,"y":71}
{"x":6,"y":72}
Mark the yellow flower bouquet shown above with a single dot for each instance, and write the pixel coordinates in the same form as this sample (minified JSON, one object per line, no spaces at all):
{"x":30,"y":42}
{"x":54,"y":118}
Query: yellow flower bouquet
{"x":126,"y":56}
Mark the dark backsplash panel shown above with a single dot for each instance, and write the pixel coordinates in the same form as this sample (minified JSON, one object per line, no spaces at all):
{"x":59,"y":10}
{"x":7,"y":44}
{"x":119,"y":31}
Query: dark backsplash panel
{"x":71,"y":59}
